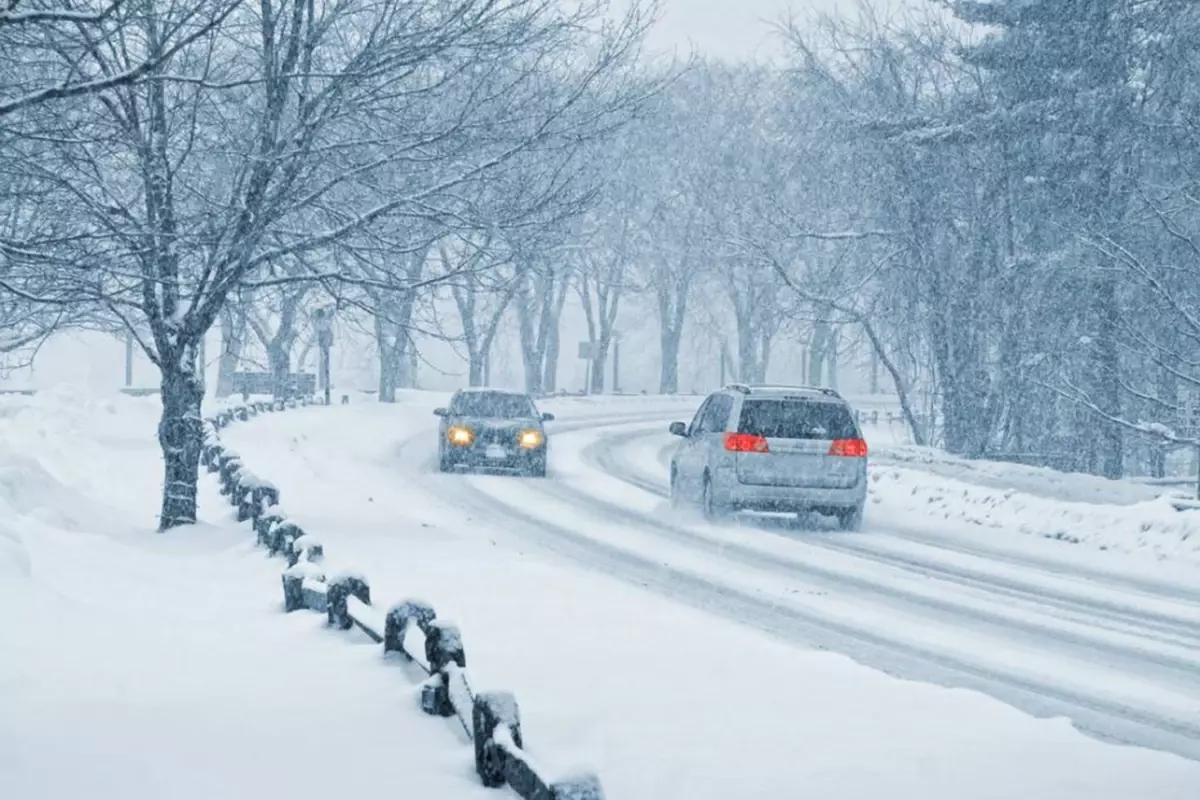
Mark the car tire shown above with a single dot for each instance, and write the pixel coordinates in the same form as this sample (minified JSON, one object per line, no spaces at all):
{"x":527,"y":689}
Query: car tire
{"x":444,"y":463}
{"x":851,"y":519}
{"x":674,"y":494}
{"x":712,"y":510}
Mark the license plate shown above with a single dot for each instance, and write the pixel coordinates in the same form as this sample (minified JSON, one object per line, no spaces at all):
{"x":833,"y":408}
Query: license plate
{"x":496,"y":451}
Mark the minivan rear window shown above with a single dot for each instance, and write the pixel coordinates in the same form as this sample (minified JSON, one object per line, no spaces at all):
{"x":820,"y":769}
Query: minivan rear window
{"x":797,"y":419}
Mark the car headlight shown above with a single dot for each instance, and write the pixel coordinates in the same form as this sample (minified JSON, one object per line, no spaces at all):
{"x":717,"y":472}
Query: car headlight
{"x":531,"y":439}
{"x":460,"y":436}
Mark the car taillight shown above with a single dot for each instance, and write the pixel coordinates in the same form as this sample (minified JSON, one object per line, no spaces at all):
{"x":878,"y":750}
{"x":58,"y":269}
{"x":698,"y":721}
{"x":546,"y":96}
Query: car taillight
{"x":745,"y":443}
{"x":854,"y":448}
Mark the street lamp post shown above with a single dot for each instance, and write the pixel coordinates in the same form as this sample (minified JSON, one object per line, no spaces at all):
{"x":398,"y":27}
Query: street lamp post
{"x":323,"y":322}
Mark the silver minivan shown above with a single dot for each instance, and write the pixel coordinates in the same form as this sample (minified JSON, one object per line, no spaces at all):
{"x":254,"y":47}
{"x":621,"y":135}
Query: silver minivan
{"x":792,"y":449}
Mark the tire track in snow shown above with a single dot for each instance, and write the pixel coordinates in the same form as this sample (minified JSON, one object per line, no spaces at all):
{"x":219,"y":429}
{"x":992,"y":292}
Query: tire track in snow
{"x":1167,"y":629}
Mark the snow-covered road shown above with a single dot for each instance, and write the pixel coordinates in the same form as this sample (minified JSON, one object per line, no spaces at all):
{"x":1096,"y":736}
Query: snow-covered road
{"x":1120,"y":656}
{"x":1052,"y":633}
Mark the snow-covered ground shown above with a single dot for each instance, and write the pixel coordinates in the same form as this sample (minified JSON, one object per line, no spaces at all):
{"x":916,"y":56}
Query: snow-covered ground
{"x":996,"y":499}
{"x":135,"y":666}
{"x":672,"y":656}
{"x":664,"y":680}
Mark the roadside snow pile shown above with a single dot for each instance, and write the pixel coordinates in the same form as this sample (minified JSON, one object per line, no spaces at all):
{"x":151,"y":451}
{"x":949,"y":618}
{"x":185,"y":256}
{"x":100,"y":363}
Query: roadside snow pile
{"x":1152,"y":526}
{"x":58,"y":451}
{"x":1042,"y":481}
{"x":141,"y":666}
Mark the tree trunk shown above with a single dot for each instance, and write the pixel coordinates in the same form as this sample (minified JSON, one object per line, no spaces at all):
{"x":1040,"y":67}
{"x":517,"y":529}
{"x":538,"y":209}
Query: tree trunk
{"x":919,"y":434}
{"x":818,"y":354}
{"x":553,"y":347}
{"x":668,"y":379}
{"x":764,"y":356}
{"x":391,"y":359}
{"x":411,"y":380}
{"x":232,"y":341}
{"x":180,"y":436}
{"x":600,"y":350}
{"x":387,"y":379}
{"x":1108,"y":366}
{"x":532,"y":354}
{"x":475,"y":368}
{"x":832,"y":360}
{"x":672,"y":311}
{"x":279,"y":361}
{"x":752,"y":365}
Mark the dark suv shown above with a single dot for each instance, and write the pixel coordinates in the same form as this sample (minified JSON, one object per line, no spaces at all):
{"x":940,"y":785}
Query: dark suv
{"x":772,"y":448}
{"x":492,"y":429}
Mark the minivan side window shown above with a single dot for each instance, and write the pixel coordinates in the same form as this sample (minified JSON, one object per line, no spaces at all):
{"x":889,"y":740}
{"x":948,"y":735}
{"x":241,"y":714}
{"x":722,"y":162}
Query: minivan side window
{"x":716,"y":415}
{"x":698,"y":420}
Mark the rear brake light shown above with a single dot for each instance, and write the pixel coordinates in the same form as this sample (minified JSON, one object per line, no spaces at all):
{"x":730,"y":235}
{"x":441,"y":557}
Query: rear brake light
{"x":745,"y":443}
{"x":854,"y":448}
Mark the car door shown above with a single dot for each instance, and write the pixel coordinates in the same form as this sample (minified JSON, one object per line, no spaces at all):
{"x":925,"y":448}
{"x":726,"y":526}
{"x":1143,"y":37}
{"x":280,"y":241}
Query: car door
{"x":710,"y":437}
{"x":689,"y":457}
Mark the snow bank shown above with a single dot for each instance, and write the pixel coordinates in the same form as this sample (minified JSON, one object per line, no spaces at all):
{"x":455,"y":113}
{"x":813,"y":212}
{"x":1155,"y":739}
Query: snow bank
{"x":1150,"y":526}
{"x":1041,"y":481}
{"x":137,"y":666}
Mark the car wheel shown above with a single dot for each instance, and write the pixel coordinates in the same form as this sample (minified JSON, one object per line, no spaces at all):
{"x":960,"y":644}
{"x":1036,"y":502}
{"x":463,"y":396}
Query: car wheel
{"x":444,"y":463}
{"x":713,"y":511}
{"x":676,"y":497}
{"x":851,"y":519}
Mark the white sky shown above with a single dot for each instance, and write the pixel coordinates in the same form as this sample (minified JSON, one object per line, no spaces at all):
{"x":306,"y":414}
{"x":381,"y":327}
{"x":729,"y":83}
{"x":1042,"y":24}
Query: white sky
{"x":736,"y":29}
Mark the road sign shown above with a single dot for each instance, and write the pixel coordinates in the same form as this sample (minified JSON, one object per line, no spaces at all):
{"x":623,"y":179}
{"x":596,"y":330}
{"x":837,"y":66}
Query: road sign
{"x":585,"y":351}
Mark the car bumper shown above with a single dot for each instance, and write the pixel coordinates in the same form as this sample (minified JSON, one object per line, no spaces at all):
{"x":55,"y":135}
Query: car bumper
{"x":748,"y":497}
{"x":476,"y":458}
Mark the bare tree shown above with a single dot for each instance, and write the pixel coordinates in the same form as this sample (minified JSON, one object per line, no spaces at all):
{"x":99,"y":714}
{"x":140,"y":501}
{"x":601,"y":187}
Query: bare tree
{"x":539,"y":303}
{"x":243,"y":145}
{"x":482,"y":296}
{"x":49,"y":48}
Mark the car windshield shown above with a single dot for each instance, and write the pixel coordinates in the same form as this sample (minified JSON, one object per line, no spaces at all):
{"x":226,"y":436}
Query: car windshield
{"x":498,"y":405}
{"x":797,"y":419}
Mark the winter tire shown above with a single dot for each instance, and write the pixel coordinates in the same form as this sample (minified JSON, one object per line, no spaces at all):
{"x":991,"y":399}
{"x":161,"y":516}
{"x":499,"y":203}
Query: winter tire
{"x":713,"y":511}
{"x":850,"y":520}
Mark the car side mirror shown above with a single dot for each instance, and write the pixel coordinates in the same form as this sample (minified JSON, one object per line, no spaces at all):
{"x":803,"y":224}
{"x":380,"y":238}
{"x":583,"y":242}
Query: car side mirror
{"x":547,"y":417}
{"x":441,"y":412}
{"x":678,"y":429}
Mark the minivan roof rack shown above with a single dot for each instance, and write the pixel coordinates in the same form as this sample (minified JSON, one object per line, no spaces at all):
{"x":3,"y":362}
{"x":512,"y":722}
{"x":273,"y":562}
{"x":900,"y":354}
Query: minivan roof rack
{"x":772,"y":387}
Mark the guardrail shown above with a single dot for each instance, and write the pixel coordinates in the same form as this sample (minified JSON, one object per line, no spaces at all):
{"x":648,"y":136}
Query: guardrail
{"x":409,"y":631}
